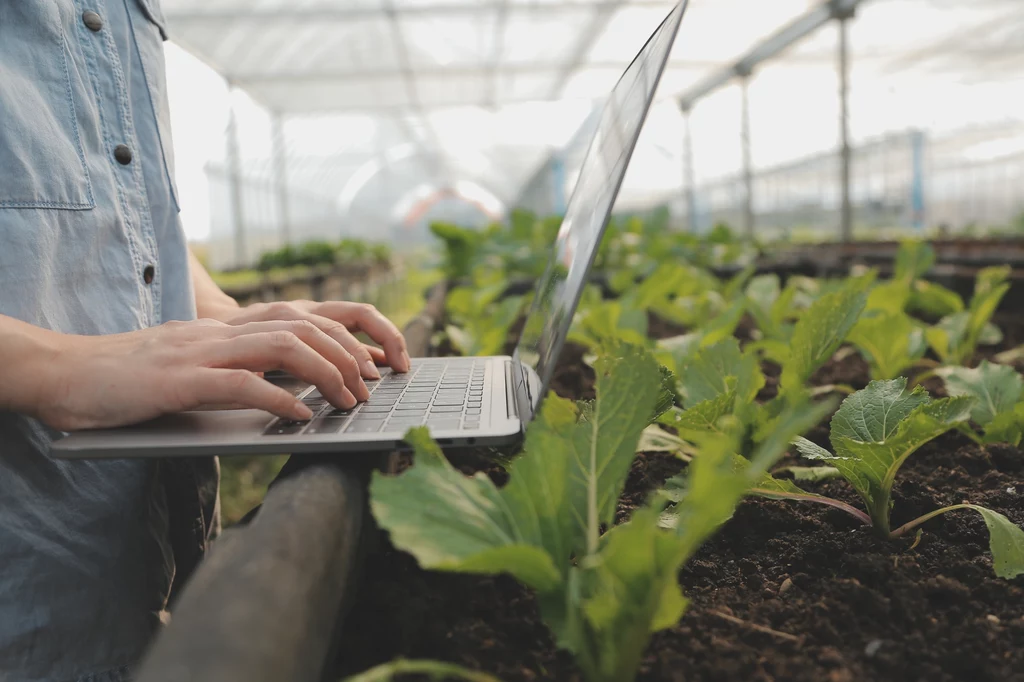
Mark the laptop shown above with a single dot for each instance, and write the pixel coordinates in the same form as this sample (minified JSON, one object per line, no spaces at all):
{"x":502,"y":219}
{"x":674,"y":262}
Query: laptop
{"x":464,"y":401}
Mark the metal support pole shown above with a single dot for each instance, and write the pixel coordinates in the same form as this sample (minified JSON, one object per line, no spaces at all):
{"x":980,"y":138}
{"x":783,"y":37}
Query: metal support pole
{"x":689,"y":184}
{"x":748,"y":173}
{"x":235,"y":186}
{"x":558,"y":183}
{"x":846,"y":209}
{"x":280,"y":155}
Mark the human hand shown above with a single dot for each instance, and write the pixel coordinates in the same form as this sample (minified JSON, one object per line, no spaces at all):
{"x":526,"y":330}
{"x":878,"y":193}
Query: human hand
{"x":112,"y":380}
{"x":339,"y":320}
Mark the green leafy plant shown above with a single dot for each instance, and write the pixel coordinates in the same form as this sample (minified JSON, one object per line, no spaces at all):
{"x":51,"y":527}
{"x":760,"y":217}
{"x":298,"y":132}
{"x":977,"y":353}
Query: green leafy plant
{"x":480,"y":317}
{"x":461,"y":249}
{"x":873,"y":433}
{"x":821,"y":330}
{"x":908,"y":291}
{"x":997,"y":391}
{"x":955,"y":338}
{"x":602,"y":595}
{"x":891,"y":342}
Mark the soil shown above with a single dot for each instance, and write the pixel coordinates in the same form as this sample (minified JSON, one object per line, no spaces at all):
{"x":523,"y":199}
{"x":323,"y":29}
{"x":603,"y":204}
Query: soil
{"x":817,"y":596}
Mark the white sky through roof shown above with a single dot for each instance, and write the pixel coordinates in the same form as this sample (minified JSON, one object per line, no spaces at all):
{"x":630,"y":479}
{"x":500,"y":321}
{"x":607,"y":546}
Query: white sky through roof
{"x":497,"y":86}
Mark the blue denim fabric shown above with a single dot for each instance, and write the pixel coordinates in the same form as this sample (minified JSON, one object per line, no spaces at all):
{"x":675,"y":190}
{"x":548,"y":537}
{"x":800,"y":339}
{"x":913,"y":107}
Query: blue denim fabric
{"x":86,"y":558}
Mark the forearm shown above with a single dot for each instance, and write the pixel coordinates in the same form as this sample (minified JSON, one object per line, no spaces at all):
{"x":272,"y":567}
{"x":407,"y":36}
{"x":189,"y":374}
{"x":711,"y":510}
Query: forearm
{"x":211,"y":302}
{"x":29,"y":353}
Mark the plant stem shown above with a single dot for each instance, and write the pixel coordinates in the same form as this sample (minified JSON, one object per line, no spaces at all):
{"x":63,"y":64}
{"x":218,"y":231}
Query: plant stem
{"x":832,"y":388}
{"x":435,"y":669}
{"x":593,"y":522}
{"x":923,"y":376}
{"x":818,"y":499}
{"x":911,"y":525}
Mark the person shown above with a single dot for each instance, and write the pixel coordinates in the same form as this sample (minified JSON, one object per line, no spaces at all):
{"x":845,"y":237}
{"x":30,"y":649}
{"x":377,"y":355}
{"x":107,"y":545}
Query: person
{"x":107,"y":319}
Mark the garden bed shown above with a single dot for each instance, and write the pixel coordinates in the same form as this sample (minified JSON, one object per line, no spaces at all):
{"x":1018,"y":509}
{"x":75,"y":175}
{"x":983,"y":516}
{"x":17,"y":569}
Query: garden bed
{"x":784,"y":591}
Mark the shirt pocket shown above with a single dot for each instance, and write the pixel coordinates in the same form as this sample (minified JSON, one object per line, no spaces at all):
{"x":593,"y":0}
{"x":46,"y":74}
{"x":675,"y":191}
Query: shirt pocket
{"x":42,"y":161}
{"x":149,"y":36}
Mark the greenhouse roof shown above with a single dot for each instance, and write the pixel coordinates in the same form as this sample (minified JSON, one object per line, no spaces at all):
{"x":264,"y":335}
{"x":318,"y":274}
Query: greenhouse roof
{"x":482,"y":92}
{"x":304,"y":56}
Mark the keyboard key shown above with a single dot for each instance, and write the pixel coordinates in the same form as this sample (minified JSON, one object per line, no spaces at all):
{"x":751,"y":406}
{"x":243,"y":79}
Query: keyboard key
{"x":436,"y":409}
{"x":327,"y":425}
{"x":338,"y":412}
{"x":414,"y":421}
{"x":412,"y":407}
{"x":364,"y":427}
{"x":285,"y":427}
{"x":443,"y":426}
{"x":474,"y":403}
{"x":448,"y":402}
{"x":375,"y":409}
{"x":473,"y":410}
{"x":471,"y":426}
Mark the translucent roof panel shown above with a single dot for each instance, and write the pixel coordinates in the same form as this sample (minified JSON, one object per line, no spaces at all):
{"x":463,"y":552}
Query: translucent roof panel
{"x":393,"y":96}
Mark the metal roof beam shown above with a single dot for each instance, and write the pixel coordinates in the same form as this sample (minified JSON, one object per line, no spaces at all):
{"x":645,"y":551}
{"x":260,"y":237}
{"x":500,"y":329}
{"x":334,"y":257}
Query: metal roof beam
{"x":256,"y":78}
{"x":598,"y":22}
{"x":342,"y":14}
{"x":784,"y":38}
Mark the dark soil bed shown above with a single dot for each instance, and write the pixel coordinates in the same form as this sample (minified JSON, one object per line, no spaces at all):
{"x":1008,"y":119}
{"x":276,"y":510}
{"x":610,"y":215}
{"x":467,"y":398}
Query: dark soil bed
{"x":783,"y":592}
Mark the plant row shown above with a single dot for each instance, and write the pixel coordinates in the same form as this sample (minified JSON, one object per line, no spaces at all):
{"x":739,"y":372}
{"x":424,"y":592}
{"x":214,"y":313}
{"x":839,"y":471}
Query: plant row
{"x":320,"y":252}
{"x":602,"y":588}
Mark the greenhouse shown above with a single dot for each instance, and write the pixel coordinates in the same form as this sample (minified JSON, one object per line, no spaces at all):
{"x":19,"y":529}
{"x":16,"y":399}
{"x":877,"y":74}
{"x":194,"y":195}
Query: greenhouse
{"x":358,"y":118}
{"x":512,"y":340}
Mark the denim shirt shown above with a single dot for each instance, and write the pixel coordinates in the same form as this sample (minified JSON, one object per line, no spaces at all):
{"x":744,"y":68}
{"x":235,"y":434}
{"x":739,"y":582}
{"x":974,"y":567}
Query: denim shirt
{"x":90,"y":243}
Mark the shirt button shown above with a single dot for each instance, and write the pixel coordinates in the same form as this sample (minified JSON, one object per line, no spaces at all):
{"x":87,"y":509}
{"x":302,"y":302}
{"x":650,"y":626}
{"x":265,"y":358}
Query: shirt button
{"x":123,"y":154}
{"x":148,"y":274}
{"x":92,"y":21}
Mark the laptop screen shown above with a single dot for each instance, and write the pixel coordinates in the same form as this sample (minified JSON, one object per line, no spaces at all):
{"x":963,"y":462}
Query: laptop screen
{"x":587,"y":213}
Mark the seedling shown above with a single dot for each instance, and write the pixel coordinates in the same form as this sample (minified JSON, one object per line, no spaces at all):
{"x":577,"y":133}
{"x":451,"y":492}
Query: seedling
{"x":873,"y":433}
{"x":956,"y":337}
{"x":602,"y":595}
{"x":997,"y":391}
{"x":480,"y":321}
{"x":891,"y":342}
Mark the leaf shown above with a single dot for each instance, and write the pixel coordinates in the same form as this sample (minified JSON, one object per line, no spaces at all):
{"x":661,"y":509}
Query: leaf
{"x":996,"y":388}
{"x":452,"y":522}
{"x":718,"y":477}
{"x":877,"y":428}
{"x":723,"y":325}
{"x":680,"y":349}
{"x":656,"y":439}
{"x":1007,"y":427}
{"x":820,"y":331}
{"x":1005,"y":541}
{"x":889,"y":297}
{"x":561,"y":491}
{"x":762,"y":293}
{"x":719,"y":369}
{"x":934,"y":299}
{"x":890,"y":342}
{"x":629,"y":590}
{"x":990,"y":335}
{"x":948,"y":338}
{"x":711,"y":372}
{"x":703,"y":417}
{"x":913,"y":259}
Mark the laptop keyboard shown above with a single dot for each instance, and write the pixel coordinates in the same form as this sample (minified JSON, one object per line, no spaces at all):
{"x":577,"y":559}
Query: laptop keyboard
{"x":444,"y":394}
